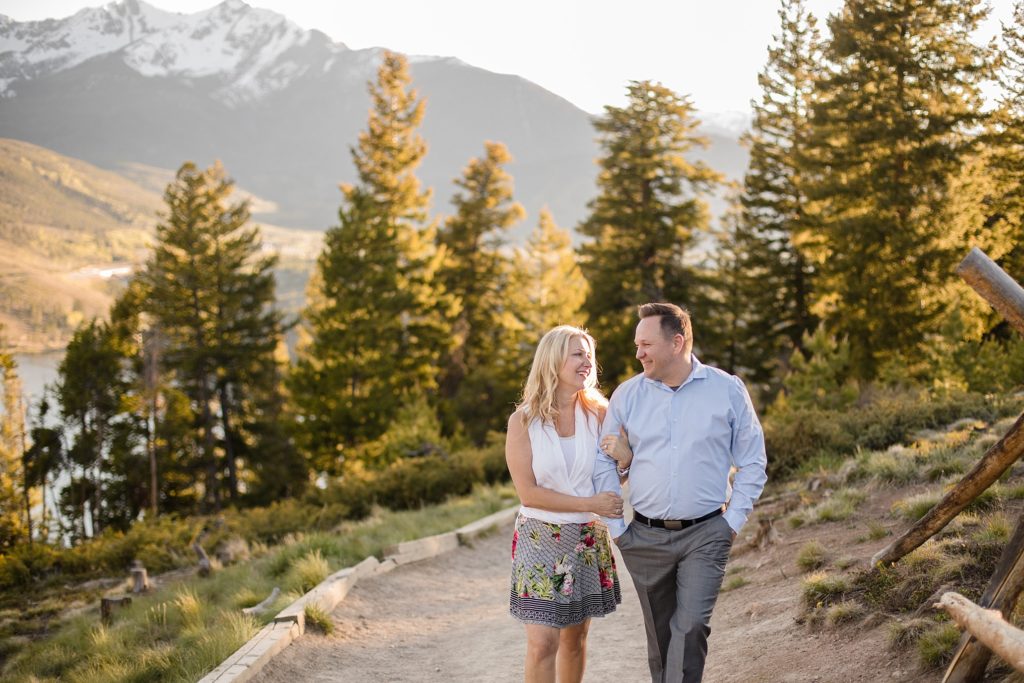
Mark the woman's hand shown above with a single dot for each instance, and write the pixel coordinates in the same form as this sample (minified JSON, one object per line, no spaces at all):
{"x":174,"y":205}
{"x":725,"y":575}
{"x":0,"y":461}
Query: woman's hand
{"x":606,"y":504}
{"x":617,"y":447}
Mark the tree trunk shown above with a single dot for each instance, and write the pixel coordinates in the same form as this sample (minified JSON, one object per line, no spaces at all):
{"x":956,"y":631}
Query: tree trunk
{"x":229,"y":446}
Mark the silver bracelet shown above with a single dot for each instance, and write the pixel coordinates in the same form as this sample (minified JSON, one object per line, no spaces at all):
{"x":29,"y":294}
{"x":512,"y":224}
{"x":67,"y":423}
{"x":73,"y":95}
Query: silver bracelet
{"x":622,"y":472}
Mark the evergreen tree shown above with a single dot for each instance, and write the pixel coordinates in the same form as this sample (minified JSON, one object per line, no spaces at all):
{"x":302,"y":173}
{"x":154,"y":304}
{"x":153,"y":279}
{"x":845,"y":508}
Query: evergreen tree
{"x":211,"y":294}
{"x":479,"y":380}
{"x":778,"y":299}
{"x":646,"y":216}
{"x":14,"y":519}
{"x":550,"y":280}
{"x":731,"y":337}
{"x":90,"y":386}
{"x":1007,"y":142}
{"x":376,"y":329}
{"x":820,"y":375}
{"x":892,"y":125}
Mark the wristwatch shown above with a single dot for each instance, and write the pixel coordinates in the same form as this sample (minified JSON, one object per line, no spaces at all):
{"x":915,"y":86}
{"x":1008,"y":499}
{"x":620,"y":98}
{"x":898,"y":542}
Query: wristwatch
{"x":622,"y":472}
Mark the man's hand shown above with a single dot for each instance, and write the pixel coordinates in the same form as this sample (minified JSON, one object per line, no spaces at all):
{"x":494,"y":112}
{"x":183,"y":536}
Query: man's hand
{"x":617,"y":448}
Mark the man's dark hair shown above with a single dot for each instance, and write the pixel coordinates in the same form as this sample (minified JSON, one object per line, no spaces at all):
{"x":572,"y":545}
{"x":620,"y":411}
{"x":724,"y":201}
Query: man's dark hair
{"x":674,"y":320}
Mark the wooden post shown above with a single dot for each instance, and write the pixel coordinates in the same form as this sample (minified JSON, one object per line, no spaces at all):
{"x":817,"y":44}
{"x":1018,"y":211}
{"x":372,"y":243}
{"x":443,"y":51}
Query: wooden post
{"x":996,"y":460}
{"x":107,"y":606}
{"x":140,"y":578}
{"x":994,"y":285}
{"x":988,"y":626}
{"x":971,"y":658}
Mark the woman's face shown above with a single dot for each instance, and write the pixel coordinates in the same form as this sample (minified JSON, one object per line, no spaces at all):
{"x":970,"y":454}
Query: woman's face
{"x":579,"y":364}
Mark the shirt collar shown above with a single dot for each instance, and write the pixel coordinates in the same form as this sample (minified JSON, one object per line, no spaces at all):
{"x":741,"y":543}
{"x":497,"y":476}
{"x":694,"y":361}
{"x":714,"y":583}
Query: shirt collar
{"x":697,"y":371}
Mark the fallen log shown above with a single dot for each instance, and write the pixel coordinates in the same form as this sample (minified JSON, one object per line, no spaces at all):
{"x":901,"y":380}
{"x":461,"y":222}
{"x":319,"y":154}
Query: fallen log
{"x":204,"y":560}
{"x":988,"y":626}
{"x":996,"y":460}
{"x":259,"y":609}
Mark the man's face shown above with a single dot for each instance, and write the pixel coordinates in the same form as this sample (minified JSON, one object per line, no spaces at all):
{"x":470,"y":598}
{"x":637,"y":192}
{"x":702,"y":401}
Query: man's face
{"x":654,"y":350}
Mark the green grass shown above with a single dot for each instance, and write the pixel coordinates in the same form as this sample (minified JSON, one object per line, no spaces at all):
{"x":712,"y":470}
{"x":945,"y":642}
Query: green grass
{"x":937,"y":644}
{"x":843,"y":613}
{"x":317,"y":618}
{"x":821,"y":589}
{"x":183,"y":631}
{"x":811,"y":556}
{"x":917,"y":506}
{"x":839,"y":507}
{"x":734,"y":582}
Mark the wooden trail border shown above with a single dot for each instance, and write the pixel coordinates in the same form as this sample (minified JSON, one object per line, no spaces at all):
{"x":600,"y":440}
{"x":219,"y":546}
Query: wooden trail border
{"x":290,"y":623}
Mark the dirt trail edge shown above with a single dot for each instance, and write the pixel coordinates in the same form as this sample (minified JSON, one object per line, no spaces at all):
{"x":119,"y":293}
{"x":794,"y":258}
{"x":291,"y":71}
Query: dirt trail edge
{"x":446,"y":619}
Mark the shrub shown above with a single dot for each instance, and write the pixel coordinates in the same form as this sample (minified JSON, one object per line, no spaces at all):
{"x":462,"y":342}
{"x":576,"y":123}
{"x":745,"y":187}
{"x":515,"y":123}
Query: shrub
{"x":843,"y":613}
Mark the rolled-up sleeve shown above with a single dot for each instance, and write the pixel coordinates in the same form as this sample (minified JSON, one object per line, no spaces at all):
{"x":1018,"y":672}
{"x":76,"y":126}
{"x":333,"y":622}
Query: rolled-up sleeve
{"x":605,"y":476}
{"x":748,"y":457}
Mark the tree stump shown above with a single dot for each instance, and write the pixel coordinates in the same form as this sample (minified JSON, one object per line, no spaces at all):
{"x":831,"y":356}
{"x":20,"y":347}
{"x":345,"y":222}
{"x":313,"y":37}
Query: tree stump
{"x":108,"y":605}
{"x":140,"y":578}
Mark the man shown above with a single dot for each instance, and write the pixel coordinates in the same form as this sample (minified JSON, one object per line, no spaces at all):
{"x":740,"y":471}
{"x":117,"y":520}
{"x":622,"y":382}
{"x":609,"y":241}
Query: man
{"x":687,"y":425}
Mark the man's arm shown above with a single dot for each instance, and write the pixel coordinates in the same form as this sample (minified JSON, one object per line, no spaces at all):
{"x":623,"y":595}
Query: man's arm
{"x":748,"y":456}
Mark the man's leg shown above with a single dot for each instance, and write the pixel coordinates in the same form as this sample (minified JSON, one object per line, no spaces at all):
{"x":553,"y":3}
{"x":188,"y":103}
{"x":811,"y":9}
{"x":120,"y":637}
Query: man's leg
{"x":652,"y":565}
{"x":698,"y":580}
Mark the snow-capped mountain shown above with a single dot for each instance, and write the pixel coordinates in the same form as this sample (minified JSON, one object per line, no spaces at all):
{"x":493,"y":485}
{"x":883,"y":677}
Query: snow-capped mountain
{"x":250,"y":51}
{"x":128,"y":84}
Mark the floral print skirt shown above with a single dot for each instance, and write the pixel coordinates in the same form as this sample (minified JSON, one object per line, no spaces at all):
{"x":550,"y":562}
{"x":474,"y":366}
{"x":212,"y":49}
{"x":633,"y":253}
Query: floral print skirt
{"x":562,"y":574}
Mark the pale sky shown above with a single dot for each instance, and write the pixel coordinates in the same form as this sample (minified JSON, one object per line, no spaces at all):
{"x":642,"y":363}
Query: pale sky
{"x":584,"y":50}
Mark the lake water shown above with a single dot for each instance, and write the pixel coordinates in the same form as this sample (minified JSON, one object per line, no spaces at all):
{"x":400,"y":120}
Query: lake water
{"x":36,"y":370}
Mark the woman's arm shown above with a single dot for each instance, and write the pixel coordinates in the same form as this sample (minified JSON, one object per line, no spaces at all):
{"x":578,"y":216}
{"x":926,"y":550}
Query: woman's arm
{"x":519,"y":457}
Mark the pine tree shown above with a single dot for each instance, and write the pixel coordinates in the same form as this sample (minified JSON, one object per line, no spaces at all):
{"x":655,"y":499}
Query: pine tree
{"x":211,"y":294}
{"x":90,"y":386}
{"x":376,"y":328}
{"x":731,"y":336}
{"x":1007,"y":142}
{"x":645,"y":218}
{"x":892,"y":125}
{"x":479,"y":377}
{"x":14,"y":526}
{"x":550,"y":280}
{"x":774,"y":200}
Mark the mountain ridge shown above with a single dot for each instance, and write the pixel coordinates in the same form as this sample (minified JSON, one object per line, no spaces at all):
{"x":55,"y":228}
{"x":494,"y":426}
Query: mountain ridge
{"x":282,"y":121}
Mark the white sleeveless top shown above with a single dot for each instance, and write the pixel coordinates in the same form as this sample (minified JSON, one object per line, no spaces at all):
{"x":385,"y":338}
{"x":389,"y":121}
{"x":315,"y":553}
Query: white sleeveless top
{"x":551,"y":471}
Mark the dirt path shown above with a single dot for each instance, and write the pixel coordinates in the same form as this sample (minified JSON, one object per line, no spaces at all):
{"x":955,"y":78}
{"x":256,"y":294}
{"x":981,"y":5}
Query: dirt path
{"x":447,"y":619}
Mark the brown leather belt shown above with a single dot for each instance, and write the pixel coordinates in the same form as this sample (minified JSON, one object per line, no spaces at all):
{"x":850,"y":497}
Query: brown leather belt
{"x":674,"y":524}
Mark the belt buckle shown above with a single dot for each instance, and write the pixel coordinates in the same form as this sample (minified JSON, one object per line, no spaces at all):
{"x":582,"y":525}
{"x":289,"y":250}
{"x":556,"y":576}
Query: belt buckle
{"x":673,"y":524}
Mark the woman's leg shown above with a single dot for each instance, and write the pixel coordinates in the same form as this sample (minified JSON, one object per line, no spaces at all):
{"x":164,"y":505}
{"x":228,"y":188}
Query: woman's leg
{"x":541,"y":648}
{"x":572,"y":652}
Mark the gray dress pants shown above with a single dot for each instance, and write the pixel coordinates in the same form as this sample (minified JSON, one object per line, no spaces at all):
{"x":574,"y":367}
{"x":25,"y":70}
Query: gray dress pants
{"x":677,"y":575}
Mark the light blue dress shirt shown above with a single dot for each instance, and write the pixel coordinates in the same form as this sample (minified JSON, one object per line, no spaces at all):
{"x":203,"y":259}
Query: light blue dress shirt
{"x":684,"y":443}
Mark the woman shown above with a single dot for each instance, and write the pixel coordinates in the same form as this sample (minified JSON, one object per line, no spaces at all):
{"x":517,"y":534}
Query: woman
{"x":563,"y":572}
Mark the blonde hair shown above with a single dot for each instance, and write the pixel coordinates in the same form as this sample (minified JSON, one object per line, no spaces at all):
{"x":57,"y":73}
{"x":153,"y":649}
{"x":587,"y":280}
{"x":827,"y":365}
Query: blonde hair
{"x":552,"y":351}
